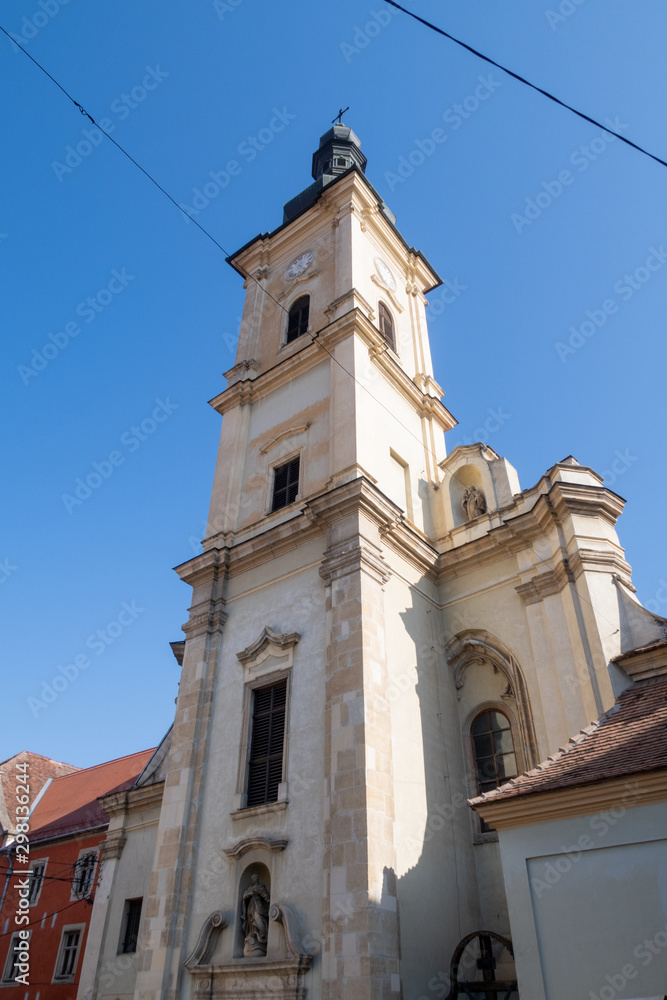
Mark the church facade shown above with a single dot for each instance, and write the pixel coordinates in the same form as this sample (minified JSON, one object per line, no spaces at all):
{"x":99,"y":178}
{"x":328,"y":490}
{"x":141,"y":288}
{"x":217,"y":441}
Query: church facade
{"x":378,"y":633}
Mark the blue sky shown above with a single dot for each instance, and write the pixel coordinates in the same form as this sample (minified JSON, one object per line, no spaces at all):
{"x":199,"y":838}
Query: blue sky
{"x":549,"y":338}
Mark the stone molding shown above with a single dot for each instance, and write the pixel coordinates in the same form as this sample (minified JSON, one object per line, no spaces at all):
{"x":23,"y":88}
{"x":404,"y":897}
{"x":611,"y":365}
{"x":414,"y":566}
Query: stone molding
{"x":241,"y":371}
{"x":297,"y":429}
{"x":545,"y":584}
{"x":206,"y":618}
{"x":248,"y":844}
{"x":112,"y":848}
{"x":518,"y":529}
{"x":352,"y":556}
{"x":140,"y":797}
{"x":283,"y":640}
{"x":355,"y":321}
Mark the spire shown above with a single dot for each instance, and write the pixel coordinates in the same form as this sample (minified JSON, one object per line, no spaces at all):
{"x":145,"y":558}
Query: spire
{"x":339,"y":150}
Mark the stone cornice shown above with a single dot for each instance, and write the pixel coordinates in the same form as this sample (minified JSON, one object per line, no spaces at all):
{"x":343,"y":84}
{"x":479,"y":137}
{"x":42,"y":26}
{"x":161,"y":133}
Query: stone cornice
{"x":209,"y":565}
{"x":545,"y":807}
{"x":518,"y":530}
{"x":352,"y":556}
{"x":112,"y":848}
{"x":131,"y":799}
{"x":352,"y":193}
{"x":317,"y":350}
{"x":206,"y":618}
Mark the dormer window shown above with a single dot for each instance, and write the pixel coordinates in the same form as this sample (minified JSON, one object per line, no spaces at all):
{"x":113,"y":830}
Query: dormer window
{"x":341,"y":161}
{"x":386,"y":324}
{"x":297,"y":322}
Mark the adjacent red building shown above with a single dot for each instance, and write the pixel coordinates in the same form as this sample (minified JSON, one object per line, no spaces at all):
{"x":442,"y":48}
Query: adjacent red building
{"x":46,"y":895}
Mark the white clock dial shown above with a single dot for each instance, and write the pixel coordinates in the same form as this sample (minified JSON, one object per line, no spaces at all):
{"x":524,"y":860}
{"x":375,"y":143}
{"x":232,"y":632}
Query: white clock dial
{"x":385,"y":273}
{"x":299,"y":265}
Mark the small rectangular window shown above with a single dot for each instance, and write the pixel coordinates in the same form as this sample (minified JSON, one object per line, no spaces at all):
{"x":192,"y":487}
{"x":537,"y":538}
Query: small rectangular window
{"x":68,"y":954}
{"x":265,"y":767}
{"x":285,"y":484}
{"x":131,"y":918}
{"x":36,"y":875}
{"x":11,"y":970}
{"x":84,"y":875}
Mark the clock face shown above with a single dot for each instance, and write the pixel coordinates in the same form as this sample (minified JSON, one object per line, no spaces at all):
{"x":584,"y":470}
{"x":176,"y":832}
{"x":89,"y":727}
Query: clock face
{"x":385,"y":273}
{"x":299,"y":265}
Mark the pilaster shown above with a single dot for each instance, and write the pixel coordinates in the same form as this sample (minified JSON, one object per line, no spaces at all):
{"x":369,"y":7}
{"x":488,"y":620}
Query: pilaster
{"x":168,"y":904}
{"x":360,"y":955}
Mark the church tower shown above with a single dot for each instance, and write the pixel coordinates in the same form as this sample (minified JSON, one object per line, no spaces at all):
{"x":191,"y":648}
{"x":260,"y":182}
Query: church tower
{"x":377,"y":632}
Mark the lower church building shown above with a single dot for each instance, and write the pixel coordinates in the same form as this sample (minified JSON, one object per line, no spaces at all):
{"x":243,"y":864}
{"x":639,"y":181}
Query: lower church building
{"x":379,"y":632}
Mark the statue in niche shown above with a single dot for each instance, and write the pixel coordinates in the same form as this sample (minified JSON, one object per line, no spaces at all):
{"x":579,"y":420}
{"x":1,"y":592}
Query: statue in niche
{"x":474,"y":503}
{"x":255,"y":919}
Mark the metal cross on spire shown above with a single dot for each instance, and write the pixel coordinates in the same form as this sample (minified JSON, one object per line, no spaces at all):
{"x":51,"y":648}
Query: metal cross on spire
{"x":339,"y":116}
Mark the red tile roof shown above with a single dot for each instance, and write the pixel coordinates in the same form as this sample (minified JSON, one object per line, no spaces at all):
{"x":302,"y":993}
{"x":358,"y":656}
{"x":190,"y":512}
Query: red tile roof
{"x":70,"y":805}
{"x":630,"y":738}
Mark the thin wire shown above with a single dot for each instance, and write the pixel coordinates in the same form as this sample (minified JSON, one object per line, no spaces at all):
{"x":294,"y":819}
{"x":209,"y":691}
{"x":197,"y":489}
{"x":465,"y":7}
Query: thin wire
{"x":252,"y":277}
{"x":522,"y":79}
{"x":138,"y":165}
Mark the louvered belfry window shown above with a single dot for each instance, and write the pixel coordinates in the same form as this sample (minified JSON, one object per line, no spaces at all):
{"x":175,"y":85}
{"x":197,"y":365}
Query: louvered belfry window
{"x":297,"y":322}
{"x":285,"y":484}
{"x":265,"y":770}
{"x":386,"y":324}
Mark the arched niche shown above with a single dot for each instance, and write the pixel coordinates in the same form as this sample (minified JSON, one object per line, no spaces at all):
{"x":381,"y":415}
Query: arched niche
{"x":255,"y":868}
{"x":465,"y":477}
{"x":477,"y":657}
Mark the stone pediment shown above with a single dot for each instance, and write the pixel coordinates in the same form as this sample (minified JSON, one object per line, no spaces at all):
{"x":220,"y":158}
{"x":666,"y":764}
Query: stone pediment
{"x":277,"y":643}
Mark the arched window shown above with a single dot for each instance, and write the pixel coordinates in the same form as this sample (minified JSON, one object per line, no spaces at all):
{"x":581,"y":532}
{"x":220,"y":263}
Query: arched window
{"x":386,"y":324}
{"x":297,"y":322}
{"x":493,"y":750}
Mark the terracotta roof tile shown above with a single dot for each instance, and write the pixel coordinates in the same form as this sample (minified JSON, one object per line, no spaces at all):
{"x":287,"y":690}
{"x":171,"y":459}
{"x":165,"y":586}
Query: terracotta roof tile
{"x":629,"y":739}
{"x":70,"y":802}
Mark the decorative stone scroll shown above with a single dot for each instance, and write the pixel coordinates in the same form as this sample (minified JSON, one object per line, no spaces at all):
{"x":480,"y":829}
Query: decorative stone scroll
{"x":207,"y":940}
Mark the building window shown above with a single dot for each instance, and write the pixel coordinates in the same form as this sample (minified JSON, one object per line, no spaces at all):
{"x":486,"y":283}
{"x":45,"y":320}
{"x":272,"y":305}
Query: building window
{"x":265,"y":766}
{"x":493,"y":749}
{"x":11,"y":969}
{"x":84,"y":875}
{"x":36,"y":875}
{"x":386,"y":324}
{"x":130,"y":932}
{"x":68,"y":954}
{"x":297,"y":321}
{"x":285,"y":484}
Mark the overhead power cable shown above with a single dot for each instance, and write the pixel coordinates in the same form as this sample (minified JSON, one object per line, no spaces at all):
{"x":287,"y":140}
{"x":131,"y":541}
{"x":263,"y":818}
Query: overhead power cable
{"x":251,"y":277}
{"x":522,"y":79}
{"x":138,"y":165}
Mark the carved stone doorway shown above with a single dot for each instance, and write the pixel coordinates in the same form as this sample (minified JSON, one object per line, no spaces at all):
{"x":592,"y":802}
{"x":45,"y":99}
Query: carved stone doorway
{"x":483,"y":966}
